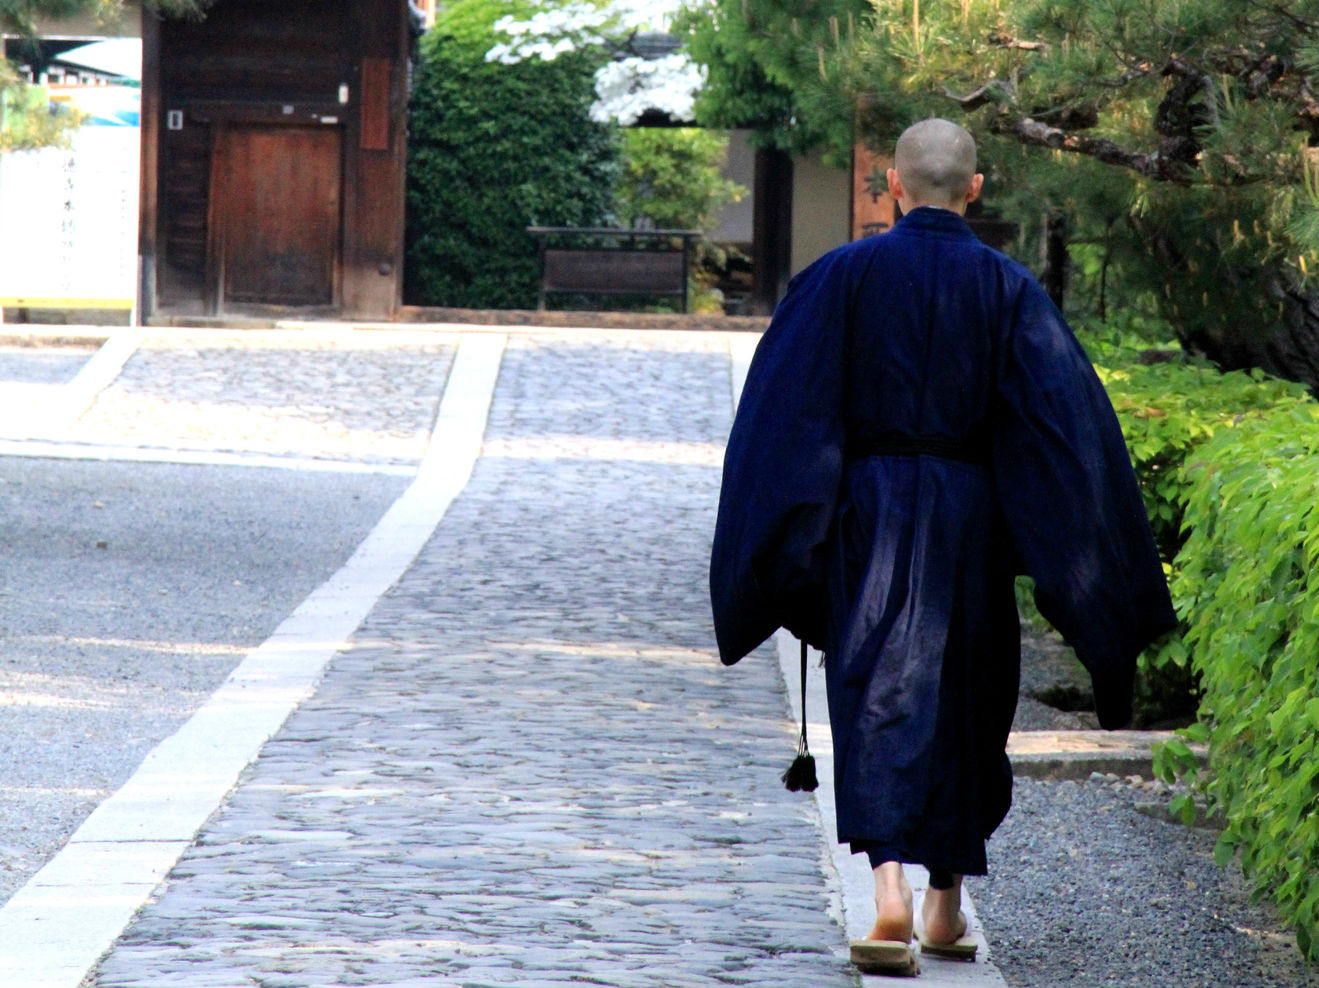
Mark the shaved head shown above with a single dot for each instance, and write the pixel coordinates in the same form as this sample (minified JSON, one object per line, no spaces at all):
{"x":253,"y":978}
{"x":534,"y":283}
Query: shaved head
{"x":936,"y":161}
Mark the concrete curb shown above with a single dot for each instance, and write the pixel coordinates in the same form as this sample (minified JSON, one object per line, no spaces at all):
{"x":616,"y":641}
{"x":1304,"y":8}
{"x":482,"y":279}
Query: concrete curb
{"x":1058,"y":755}
{"x":24,"y":335}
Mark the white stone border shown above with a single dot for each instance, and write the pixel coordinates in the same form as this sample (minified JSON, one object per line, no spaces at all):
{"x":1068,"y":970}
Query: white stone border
{"x":57,"y":926}
{"x":50,"y":450}
{"x":100,"y":371}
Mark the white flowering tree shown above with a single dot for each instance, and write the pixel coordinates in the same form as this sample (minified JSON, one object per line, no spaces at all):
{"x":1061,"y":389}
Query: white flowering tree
{"x":628,"y":84}
{"x":671,"y":176}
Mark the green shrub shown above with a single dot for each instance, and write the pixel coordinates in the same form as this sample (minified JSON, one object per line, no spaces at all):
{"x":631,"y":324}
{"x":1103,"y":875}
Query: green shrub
{"x":493,"y":149}
{"x":673,"y":178}
{"x":1229,"y":468}
{"x":1247,"y":586}
{"x":1169,"y":405}
{"x":1168,"y":409}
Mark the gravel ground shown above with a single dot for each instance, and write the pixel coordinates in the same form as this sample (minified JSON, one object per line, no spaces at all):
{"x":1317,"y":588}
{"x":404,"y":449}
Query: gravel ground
{"x":106,"y":649}
{"x":1087,"y":888}
{"x":1091,"y":884}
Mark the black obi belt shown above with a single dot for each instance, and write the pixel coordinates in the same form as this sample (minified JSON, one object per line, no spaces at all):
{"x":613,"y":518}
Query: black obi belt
{"x":974,"y":451}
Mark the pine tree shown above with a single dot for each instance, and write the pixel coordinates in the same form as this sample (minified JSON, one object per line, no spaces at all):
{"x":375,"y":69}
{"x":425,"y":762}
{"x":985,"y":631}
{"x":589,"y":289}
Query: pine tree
{"x":1180,"y":138}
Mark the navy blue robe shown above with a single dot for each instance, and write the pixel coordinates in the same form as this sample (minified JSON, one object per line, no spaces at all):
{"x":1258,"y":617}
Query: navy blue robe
{"x":918,"y":426}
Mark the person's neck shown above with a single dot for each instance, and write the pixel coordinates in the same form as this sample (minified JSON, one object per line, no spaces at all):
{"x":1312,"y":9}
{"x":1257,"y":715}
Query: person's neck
{"x":959,"y":208}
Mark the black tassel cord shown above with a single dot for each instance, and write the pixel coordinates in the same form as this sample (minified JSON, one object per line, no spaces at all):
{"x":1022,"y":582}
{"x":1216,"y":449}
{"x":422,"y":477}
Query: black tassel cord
{"x":800,"y":776}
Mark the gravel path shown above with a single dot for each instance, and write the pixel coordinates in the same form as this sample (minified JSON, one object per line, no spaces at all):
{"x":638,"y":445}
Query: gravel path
{"x":41,"y":365}
{"x":1086,"y":888}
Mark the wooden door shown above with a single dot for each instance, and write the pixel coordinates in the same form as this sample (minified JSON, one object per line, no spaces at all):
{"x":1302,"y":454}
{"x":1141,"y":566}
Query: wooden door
{"x":276,"y":214}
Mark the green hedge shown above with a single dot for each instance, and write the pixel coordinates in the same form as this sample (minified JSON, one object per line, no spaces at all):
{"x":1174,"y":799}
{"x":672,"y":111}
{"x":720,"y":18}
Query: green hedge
{"x":1168,"y":410}
{"x":1229,"y":467}
{"x":1248,"y":589}
{"x":493,"y":149}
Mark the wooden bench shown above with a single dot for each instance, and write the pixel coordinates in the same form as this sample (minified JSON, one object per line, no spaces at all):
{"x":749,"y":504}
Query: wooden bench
{"x":607,"y":261}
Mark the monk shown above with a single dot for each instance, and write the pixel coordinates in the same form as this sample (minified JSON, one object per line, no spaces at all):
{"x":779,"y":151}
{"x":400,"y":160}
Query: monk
{"x":918,"y":427}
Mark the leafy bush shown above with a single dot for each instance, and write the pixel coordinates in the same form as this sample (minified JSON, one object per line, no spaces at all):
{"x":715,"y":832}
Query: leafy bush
{"x":672,"y":177}
{"x":28,"y":117}
{"x":1167,"y":409}
{"x":1229,"y":467}
{"x":1168,"y":405}
{"x":493,"y":149}
{"x":1248,"y":588}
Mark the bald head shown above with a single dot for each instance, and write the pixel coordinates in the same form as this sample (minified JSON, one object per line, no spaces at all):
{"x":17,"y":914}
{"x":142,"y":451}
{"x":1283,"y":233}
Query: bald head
{"x":935,"y":161}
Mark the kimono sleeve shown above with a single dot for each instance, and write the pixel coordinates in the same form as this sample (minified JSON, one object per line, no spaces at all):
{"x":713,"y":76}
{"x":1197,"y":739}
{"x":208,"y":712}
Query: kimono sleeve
{"x":782,"y":470}
{"x":1073,"y":506}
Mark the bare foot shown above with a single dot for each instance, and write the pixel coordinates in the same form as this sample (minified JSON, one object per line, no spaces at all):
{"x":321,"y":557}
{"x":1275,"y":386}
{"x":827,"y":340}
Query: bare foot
{"x":893,"y":909}
{"x":941,"y":912}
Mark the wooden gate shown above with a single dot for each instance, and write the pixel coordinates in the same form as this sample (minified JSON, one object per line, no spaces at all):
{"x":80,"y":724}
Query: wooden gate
{"x":276,"y":219}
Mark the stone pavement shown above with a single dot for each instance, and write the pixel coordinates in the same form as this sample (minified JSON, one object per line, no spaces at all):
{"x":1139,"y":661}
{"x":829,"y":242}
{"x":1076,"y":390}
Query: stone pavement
{"x":234,"y":391}
{"x":333,"y":393}
{"x":528,"y":768}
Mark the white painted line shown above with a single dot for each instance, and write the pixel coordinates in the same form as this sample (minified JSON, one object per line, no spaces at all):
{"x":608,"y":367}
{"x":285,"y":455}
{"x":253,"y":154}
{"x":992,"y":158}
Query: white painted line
{"x":42,"y":411}
{"x":28,"y":407}
{"x":46,"y":450}
{"x":51,"y":936}
{"x":104,"y":864}
{"x":53,"y":933}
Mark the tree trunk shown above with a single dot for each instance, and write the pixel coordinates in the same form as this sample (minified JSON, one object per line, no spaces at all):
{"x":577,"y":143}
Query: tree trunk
{"x":1288,"y":348}
{"x":771,"y":249}
{"x":1054,"y":278}
{"x":1238,"y":315}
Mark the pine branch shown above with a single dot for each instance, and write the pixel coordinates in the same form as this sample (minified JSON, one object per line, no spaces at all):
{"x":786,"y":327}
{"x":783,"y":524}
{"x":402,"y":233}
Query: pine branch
{"x":1160,"y":165}
{"x":1281,"y":11}
{"x":979,"y":97}
{"x":1007,"y":41}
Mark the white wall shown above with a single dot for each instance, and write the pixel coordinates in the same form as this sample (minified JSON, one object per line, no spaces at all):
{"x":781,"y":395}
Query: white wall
{"x":735,"y":220}
{"x":821,"y":200}
{"x":820,"y":209}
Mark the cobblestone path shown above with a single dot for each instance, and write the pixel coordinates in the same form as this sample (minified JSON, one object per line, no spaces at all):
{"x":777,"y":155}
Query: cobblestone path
{"x":360,"y":395}
{"x":529,"y":768}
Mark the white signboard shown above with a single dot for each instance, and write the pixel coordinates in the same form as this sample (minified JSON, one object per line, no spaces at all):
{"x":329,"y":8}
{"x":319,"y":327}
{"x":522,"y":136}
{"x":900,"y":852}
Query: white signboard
{"x":68,"y":216}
